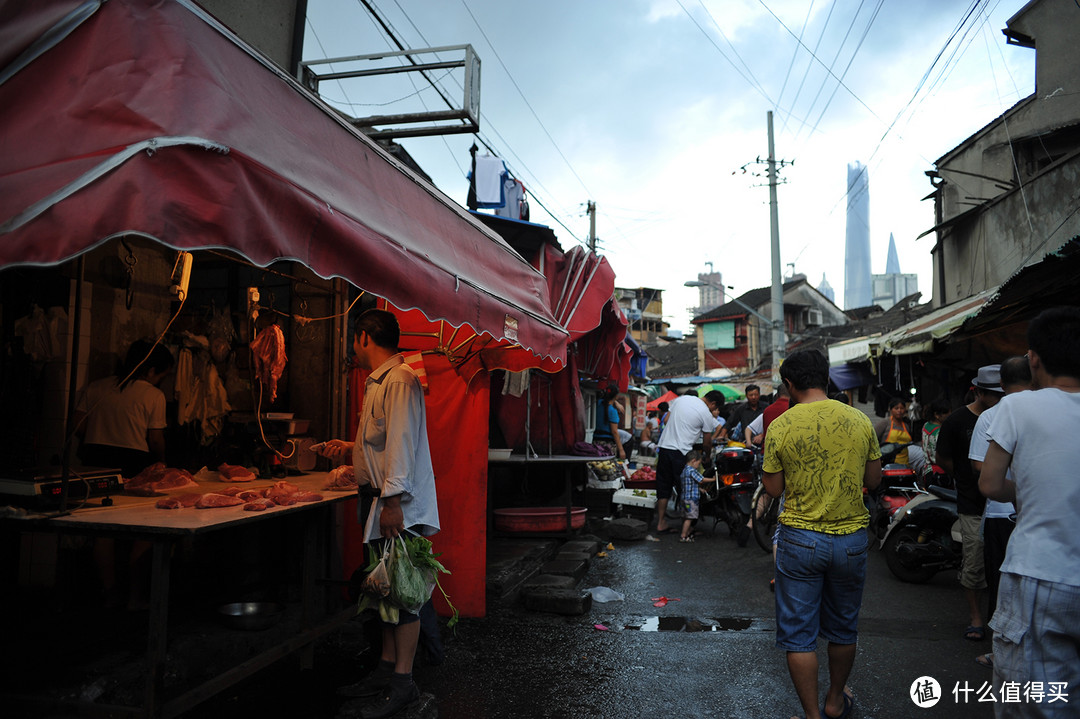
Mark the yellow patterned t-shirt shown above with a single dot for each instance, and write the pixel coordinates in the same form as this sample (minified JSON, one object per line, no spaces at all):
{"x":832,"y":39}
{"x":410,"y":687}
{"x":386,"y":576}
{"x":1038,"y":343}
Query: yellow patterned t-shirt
{"x":822,"y":448}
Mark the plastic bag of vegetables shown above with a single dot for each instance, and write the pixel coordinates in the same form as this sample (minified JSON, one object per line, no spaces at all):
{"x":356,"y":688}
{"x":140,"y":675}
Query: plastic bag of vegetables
{"x":413,"y":573}
{"x":410,"y":585}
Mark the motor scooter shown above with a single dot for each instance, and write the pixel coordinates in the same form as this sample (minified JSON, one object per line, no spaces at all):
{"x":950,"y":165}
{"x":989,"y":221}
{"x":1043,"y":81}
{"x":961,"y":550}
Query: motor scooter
{"x":924,"y":537}
{"x":899,"y":484}
{"x":728,"y":499}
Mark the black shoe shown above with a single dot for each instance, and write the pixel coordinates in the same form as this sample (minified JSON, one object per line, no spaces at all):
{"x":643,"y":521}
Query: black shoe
{"x":395,"y":698}
{"x":743,"y":535}
{"x":371,"y":685}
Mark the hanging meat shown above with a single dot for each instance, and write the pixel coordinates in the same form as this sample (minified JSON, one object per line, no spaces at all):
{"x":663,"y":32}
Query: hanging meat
{"x":269,"y":352}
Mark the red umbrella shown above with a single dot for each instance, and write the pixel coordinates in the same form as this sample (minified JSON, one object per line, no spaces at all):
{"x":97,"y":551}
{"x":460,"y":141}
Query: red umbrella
{"x":666,"y":397}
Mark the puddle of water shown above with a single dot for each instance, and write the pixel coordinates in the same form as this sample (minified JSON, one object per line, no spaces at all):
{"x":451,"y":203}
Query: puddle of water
{"x":687,"y":624}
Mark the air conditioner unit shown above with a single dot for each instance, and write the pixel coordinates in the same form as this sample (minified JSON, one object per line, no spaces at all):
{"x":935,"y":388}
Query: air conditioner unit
{"x":813,"y":317}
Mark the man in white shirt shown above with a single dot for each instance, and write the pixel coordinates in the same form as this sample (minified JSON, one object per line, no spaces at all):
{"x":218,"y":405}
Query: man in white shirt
{"x":1037,"y":621}
{"x":392,"y":462}
{"x":691,"y":419}
{"x":998,"y":519}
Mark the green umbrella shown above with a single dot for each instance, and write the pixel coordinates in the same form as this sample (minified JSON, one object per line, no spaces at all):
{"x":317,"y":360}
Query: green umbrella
{"x":730,"y":393}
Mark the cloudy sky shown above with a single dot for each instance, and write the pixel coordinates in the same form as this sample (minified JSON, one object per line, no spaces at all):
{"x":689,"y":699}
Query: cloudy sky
{"x":653,"y":108}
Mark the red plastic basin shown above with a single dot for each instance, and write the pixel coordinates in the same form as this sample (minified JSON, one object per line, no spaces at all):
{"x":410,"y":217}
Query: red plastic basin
{"x":538,"y":519}
{"x":639,"y":483}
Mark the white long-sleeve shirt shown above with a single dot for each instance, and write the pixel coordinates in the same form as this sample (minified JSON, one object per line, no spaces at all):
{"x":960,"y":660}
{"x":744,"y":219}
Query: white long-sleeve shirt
{"x":391,"y":451}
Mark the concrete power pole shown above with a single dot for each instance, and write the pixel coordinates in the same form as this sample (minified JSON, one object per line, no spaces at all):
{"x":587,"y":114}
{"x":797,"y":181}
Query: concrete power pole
{"x":777,"y":309}
{"x":590,"y":208}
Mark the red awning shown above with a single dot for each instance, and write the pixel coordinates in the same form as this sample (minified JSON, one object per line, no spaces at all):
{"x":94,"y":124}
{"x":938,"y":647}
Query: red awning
{"x":582,"y":286}
{"x":666,"y":397}
{"x":133,"y":116}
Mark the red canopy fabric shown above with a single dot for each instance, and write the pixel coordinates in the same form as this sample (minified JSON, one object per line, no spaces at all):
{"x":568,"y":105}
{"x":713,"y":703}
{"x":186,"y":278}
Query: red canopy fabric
{"x":666,"y":397}
{"x":151,"y":117}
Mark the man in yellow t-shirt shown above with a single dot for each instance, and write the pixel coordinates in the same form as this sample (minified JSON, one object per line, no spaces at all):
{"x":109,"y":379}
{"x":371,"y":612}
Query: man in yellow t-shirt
{"x":820,"y":453}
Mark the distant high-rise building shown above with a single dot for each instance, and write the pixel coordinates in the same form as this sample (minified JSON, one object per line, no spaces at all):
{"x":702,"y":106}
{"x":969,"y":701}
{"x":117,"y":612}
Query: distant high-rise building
{"x":826,"y":289}
{"x":710,"y":292}
{"x":892,"y":264}
{"x":857,"y":247}
{"x":893,"y":286}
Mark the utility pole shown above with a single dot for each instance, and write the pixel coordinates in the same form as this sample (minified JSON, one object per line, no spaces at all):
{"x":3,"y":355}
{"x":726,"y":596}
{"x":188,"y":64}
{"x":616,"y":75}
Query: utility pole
{"x":776,"y":304}
{"x":779,"y":342}
{"x":590,"y":207}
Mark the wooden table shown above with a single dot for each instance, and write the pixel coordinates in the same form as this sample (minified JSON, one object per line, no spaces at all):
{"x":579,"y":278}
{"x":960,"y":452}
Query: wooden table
{"x":569,"y":462}
{"x":138,"y":518}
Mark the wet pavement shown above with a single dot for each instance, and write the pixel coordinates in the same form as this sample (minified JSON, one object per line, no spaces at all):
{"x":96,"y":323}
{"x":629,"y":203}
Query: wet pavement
{"x":708,"y":652}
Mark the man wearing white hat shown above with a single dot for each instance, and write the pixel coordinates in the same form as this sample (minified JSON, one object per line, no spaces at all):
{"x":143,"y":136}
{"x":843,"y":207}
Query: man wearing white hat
{"x":954,"y":442}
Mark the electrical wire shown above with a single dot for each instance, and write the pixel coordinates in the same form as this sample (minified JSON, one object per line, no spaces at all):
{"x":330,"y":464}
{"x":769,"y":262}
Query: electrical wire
{"x":752,"y":81}
{"x":525,"y":99}
{"x":794,"y":55}
{"x":809,"y":64}
{"x":534,"y":182}
{"x":827,"y":68}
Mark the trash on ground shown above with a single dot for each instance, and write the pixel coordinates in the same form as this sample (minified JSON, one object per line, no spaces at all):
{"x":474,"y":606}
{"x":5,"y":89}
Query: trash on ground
{"x":600,"y":628}
{"x":662,"y":601}
{"x":605,"y":594}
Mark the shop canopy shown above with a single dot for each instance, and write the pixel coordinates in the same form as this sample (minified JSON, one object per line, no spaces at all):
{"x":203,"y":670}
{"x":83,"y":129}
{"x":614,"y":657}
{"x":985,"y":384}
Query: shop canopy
{"x":921,"y":335}
{"x":151,"y":118}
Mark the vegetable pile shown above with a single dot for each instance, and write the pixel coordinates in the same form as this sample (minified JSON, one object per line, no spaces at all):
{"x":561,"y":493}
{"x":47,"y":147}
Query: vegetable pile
{"x":412,"y":570}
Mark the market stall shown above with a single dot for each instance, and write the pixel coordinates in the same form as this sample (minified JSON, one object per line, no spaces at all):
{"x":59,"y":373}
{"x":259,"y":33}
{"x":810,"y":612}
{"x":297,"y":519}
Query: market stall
{"x":177,"y":160}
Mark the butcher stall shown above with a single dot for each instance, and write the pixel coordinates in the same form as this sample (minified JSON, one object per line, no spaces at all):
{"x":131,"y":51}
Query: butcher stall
{"x":161,"y":180}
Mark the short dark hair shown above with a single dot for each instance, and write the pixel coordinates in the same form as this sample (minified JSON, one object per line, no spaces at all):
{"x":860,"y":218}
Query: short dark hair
{"x":692,"y":455}
{"x":895,"y":401}
{"x":1055,"y":336}
{"x":1014,"y":371}
{"x":143,"y":356}
{"x":939,"y":406}
{"x":752,"y":387}
{"x":716,"y":397}
{"x":662,"y":407}
{"x":381,"y":326}
{"x":806,"y":369}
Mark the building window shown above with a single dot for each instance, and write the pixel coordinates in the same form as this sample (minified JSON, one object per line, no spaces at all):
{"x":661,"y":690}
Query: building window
{"x":719,"y":335}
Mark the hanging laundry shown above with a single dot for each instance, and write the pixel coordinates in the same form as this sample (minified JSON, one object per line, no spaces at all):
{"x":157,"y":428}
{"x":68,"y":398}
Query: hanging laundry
{"x":514,"y":192}
{"x":490,"y":173}
{"x":516,"y":383}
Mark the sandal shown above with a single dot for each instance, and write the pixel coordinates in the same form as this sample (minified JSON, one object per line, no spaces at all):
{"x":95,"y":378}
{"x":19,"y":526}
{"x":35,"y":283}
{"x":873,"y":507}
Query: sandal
{"x":686,"y":540}
{"x":978,"y":632}
{"x":985,"y":660}
{"x":849,"y":702}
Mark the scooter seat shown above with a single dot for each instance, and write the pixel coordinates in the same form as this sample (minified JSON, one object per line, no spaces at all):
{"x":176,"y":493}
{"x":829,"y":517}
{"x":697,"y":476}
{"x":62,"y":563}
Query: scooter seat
{"x":949,"y":494}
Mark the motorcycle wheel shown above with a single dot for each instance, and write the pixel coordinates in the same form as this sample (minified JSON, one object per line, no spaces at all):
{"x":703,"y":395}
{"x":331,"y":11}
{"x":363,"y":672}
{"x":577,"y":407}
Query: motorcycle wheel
{"x":764,"y":511}
{"x":903,"y":572}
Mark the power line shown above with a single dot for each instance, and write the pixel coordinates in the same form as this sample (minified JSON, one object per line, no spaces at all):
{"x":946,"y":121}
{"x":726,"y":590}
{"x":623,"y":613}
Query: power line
{"x":752,"y":81}
{"x":525,"y":99}
{"x":848,"y":66}
{"x":794,"y":54}
{"x":391,"y":32}
{"x":827,"y":68}
{"x":809,"y":64}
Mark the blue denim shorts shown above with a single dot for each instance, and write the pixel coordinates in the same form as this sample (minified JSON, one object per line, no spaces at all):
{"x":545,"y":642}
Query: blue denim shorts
{"x":819,"y":586}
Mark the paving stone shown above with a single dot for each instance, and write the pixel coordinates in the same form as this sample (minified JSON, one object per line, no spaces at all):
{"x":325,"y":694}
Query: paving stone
{"x":587,"y":547}
{"x":566,"y":568}
{"x":557,"y":601}
{"x":627,"y":529}
{"x":549,"y":581}
{"x":573,"y":557}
